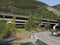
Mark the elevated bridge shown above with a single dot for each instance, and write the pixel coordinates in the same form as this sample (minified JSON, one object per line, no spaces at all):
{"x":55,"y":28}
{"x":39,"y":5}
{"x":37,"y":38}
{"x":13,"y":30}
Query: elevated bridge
{"x":21,"y":20}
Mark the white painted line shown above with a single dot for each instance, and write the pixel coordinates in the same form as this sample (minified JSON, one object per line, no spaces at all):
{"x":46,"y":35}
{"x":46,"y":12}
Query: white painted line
{"x":35,"y":36}
{"x":31,"y":36}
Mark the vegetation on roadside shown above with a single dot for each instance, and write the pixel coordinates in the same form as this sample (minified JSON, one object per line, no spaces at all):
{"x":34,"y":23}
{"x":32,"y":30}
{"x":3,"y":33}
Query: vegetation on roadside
{"x":6,"y":29}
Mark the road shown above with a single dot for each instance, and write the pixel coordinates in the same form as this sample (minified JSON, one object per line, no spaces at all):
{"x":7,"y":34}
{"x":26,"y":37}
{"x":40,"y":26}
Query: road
{"x":47,"y":38}
{"x":8,"y":41}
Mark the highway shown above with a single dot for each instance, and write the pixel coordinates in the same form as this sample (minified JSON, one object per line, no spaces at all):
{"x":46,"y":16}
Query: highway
{"x":47,"y":38}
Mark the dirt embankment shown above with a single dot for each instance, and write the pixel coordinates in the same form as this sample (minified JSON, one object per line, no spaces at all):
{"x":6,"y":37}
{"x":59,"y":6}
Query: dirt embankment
{"x":54,"y":10}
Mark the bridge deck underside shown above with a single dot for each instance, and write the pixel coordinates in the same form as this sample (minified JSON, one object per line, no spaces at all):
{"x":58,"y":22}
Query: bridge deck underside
{"x":21,"y":20}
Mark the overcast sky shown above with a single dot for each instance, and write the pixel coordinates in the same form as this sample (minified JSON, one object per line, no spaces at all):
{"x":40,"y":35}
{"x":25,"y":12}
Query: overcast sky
{"x":51,"y":2}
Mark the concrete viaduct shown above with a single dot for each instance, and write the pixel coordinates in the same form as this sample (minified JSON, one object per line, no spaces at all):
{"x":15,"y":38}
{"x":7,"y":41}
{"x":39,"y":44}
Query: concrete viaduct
{"x":21,"y":20}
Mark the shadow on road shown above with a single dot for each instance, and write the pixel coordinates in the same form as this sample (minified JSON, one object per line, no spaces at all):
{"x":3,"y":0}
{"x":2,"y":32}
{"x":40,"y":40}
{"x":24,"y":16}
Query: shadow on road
{"x":28,"y":43}
{"x":5,"y":44}
{"x":7,"y":41}
{"x":58,"y":35}
{"x":38,"y":42}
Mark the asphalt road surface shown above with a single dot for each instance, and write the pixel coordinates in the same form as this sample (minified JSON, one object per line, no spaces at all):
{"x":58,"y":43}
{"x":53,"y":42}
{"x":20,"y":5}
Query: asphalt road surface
{"x":45,"y":37}
{"x":48,"y":38}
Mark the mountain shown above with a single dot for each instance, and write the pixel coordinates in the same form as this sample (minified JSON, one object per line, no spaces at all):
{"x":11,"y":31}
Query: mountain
{"x":55,"y":11}
{"x":27,"y":7}
{"x":57,"y":7}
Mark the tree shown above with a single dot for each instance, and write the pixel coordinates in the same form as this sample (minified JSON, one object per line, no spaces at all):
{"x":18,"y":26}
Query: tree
{"x":2,"y":28}
{"x":48,"y":26}
{"x":33,"y":21}
{"x":30,"y":22}
{"x":58,"y":20}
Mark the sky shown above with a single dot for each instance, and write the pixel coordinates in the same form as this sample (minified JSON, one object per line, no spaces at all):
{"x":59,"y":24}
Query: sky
{"x":51,"y":2}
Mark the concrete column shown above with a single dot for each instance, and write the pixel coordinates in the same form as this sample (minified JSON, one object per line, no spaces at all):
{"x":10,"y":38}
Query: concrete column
{"x":54,"y":27}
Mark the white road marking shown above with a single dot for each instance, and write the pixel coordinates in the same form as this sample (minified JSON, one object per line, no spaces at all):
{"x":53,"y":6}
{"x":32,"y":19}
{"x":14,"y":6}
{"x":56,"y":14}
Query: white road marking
{"x":35,"y":36}
{"x":31,"y":36}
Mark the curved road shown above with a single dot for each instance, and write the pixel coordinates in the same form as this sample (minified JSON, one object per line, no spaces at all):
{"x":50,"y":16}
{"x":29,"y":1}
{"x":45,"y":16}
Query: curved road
{"x":47,"y":38}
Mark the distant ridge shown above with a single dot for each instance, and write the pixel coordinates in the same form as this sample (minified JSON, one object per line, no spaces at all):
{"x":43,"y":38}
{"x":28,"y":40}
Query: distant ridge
{"x":27,"y":7}
{"x":57,"y":7}
{"x":57,"y":12}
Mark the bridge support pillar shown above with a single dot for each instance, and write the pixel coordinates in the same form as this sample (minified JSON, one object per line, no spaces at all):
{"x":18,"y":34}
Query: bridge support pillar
{"x":54,"y":27}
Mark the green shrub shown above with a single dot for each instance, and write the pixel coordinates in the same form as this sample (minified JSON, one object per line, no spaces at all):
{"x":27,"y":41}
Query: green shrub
{"x":6,"y":29}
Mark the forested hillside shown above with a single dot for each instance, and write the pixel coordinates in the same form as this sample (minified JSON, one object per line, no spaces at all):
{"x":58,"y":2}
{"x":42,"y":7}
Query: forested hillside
{"x":26,"y":7}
